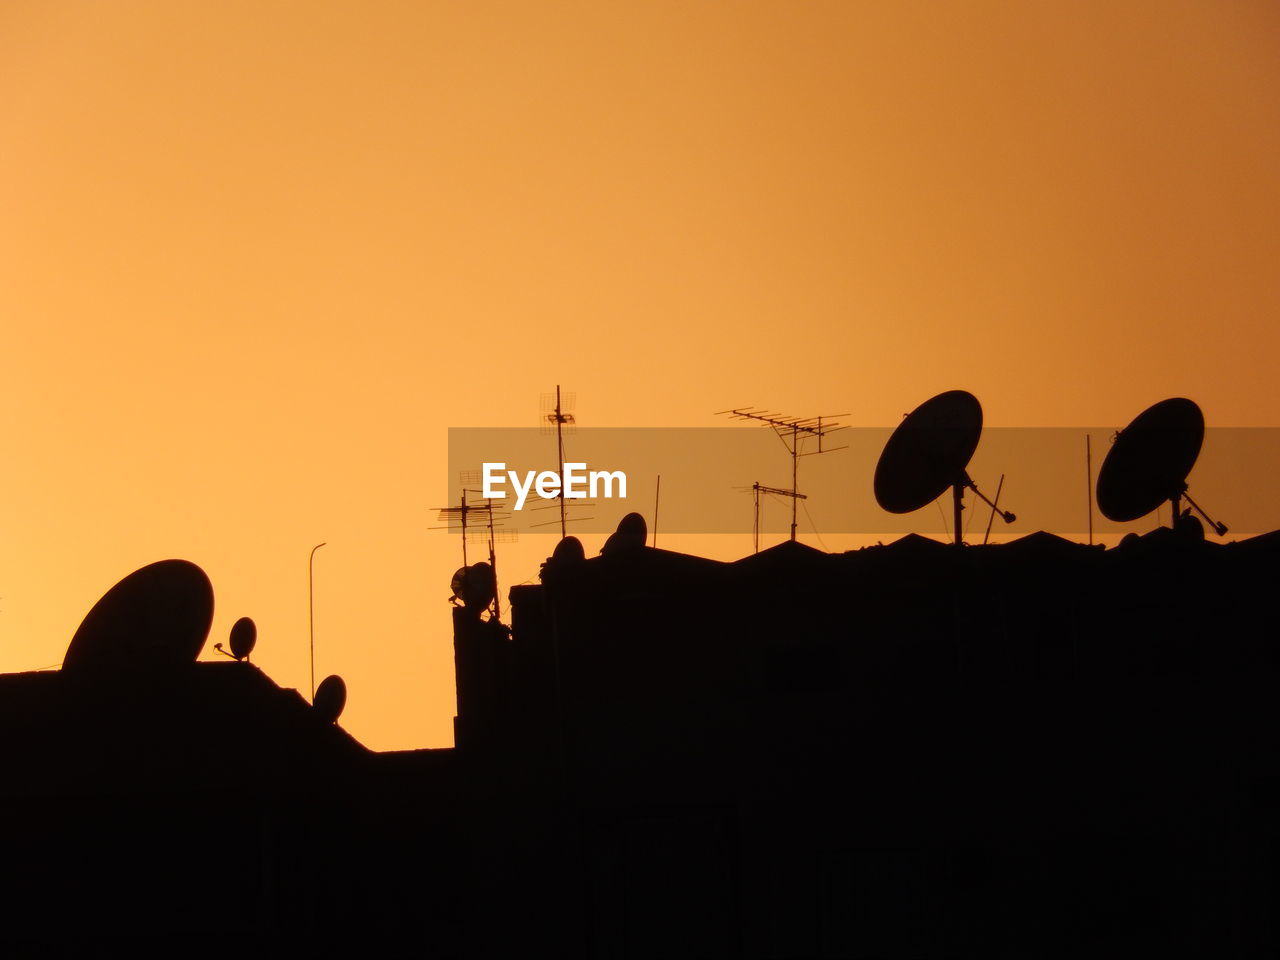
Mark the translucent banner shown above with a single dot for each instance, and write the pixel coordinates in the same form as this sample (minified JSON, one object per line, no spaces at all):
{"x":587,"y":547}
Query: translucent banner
{"x":728,"y":479}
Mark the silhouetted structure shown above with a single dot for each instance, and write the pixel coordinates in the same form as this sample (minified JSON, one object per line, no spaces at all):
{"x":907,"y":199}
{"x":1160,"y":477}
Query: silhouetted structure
{"x":792,"y":431}
{"x":1033,"y":749}
{"x":1149,"y":463}
{"x":1030,"y":749}
{"x":928,"y":453}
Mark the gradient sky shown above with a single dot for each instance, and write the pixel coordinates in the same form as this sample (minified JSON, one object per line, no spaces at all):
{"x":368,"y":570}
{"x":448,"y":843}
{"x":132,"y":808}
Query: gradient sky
{"x":257,"y":257}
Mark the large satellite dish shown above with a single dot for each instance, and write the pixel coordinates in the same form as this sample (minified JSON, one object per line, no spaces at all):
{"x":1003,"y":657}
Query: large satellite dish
{"x":156,"y":616}
{"x":929,"y":452}
{"x":1149,"y":462}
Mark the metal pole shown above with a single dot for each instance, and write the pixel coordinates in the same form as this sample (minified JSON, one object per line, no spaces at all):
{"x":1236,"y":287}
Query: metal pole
{"x":957,"y":494}
{"x":755,"y":525}
{"x":463,"y":514}
{"x":311,"y":613}
{"x":493,"y":565}
{"x":657,"y":495}
{"x":1088,"y":480}
{"x":991,"y":519}
{"x":560,"y":456}
{"x":795,"y":483}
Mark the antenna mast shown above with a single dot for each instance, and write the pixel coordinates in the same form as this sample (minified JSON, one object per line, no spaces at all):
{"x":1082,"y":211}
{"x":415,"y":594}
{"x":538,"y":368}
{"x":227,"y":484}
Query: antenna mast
{"x":657,"y":495}
{"x":792,"y":431}
{"x":759,"y":488}
{"x":559,"y":417}
{"x":1088,"y":478}
{"x":489,"y":526}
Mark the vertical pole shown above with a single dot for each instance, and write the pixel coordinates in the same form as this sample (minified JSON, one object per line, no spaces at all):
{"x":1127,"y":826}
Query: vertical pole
{"x":795,"y":483}
{"x":493,"y":564}
{"x":957,"y":496}
{"x":755,"y":526}
{"x":560,"y":457}
{"x":311,"y":614}
{"x":1088,"y":482}
{"x":463,"y":514}
{"x":657,"y":495}
{"x":994,"y":506}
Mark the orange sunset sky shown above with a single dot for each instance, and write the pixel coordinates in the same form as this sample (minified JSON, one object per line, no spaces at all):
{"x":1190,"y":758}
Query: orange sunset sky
{"x":257,"y":257}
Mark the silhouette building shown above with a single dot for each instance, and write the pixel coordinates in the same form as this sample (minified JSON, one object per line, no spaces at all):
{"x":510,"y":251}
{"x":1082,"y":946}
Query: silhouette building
{"x":1036,"y":748}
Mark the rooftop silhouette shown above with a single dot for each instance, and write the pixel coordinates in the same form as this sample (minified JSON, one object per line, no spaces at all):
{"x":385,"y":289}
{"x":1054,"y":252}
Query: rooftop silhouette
{"x":912,"y":749}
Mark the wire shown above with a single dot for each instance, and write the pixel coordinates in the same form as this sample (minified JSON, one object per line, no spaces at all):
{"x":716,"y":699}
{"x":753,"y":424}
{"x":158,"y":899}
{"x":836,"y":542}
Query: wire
{"x":814,"y":525}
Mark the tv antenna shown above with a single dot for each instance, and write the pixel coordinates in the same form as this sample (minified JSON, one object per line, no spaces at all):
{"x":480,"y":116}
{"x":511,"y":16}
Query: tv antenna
{"x":478,"y":520}
{"x":793,"y":432}
{"x":1149,"y":461}
{"x":756,"y":489}
{"x":929,"y":452}
{"x":555,"y":414}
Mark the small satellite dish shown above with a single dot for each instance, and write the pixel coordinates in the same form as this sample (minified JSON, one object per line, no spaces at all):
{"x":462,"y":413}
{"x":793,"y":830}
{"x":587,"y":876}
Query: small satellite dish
{"x":244,"y":635}
{"x":456,"y":584}
{"x":1150,"y":459}
{"x":569,"y":550}
{"x":567,"y":555}
{"x":478,"y":586}
{"x":158,"y":616}
{"x":330,"y":698}
{"x":633,"y":527}
{"x":928,"y":452}
{"x":631,"y":534}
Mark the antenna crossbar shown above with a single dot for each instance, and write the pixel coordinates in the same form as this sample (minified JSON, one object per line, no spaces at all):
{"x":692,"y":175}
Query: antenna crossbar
{"x":484,"y":528}
{"x":779,"y":491}
{"x":811,"y":426}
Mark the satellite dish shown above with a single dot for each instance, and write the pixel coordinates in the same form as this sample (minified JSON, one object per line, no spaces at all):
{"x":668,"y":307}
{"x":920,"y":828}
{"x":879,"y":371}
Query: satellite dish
{"x":478,"y":586}
{"x":567,"y":555}
{"x":569,"y":550}
{"x":929,"y":452}
{"x":633,"y":528}
{"x":1149,"y":462}
{"x":330,"y":698}
{"x":456,"y":583}
{"x":631,"y":534}
{"x":244,"y":635}
{"x":156,"y":616}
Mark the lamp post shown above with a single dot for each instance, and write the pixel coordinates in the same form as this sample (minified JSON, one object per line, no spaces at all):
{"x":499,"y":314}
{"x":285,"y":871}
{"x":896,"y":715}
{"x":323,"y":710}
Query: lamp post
{"x":311,"y":613}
